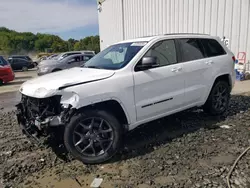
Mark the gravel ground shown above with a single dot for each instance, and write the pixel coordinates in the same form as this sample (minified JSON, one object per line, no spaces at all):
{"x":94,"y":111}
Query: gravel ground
{"x":188,"y":149}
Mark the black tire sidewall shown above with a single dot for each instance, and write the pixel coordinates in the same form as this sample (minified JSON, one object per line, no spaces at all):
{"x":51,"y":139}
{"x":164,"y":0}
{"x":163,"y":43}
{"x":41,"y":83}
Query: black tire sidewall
{"x":24,"y":68}
{"x":209,"y":104}
{"x":117,"y":130}
{"x":56,"y":70}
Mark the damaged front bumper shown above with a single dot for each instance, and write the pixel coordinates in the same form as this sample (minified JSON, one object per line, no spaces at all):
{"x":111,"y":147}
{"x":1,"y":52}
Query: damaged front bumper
{"x":36,"y":117}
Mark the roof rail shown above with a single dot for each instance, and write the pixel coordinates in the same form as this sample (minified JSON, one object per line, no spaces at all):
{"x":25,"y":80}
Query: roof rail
{"x":186,"y":34}
{"x":173,"y":34}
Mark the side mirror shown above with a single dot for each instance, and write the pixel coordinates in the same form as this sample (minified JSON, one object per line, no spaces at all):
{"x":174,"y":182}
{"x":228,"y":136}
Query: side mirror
{"x":147,"y":63}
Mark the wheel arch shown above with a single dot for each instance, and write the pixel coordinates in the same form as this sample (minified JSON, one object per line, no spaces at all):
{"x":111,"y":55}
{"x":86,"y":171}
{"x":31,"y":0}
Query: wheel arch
{"x":113,"y":106}
{"x":224,"y":77}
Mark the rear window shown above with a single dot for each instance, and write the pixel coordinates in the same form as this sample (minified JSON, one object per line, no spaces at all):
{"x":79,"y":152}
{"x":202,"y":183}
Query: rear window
{"x":3,"y":62}
{"x":212,"y":47}
{"x":27,"y":57}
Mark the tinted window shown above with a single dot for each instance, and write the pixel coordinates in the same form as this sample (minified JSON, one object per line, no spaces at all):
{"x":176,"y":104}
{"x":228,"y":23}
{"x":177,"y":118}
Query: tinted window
{"x":3,"y":62}
{"x":191,"y":49}
{"x":74,"y":59}
{"x":212,"y":47}
{"x":27,"y":57}
{"x":68,"y":54}
{"x":86,"y":58}
{"x":164,"y":51}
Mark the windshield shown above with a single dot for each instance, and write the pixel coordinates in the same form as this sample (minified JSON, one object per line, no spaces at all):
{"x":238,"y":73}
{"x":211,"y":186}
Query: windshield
{"x":116,"y":56}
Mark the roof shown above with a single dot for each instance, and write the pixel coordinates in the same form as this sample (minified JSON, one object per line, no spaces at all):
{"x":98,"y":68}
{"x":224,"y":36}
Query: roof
{"x":149,"y":38}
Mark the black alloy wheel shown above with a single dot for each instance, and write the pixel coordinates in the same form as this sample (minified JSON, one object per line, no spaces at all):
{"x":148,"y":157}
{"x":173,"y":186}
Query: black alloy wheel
{"x":93,"y":136}
{"x":218,"y":99}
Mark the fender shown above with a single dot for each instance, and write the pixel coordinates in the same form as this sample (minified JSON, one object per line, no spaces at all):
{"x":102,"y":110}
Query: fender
{"x":103,"y":100}
{"x":211,"y":86}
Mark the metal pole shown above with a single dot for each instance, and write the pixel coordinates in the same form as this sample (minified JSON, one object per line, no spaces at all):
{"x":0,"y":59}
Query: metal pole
{"x":123,"y":27}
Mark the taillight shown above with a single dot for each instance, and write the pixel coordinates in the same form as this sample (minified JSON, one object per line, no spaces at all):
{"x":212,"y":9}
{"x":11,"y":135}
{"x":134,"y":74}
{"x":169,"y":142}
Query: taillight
{"x":234,"y":59}
{"x":9,"y":70}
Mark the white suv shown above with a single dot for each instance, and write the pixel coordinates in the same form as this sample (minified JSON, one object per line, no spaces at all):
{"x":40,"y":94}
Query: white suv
{"x":126,"y":85}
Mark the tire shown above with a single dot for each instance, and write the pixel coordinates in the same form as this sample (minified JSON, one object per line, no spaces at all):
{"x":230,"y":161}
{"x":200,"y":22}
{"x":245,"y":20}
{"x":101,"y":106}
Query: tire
{"x":218,"y":104}
{"x":111,"y":145}
{"x":55,"y":70}
{"x":25,"y":68}
{"x":1,"y":82}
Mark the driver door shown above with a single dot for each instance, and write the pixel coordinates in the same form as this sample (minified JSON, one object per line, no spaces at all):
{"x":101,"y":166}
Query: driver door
{"x":74,"y":62}
{"x":159,"y":90}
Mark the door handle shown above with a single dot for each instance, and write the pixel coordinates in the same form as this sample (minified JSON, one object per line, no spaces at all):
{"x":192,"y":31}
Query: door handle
{"x":176,"y":69}
{"x":209,"y":62}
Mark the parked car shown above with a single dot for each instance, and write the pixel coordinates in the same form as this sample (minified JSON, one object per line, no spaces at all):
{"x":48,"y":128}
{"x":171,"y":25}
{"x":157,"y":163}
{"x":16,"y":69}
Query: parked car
{"x":6,"y":72}
{"x":51,"y":65}
{"x":52,"y":56}
{"x":18,"y":63}
{"x":126,"y":85}
{"x":66,"y":54}
{"x":25,"y":57}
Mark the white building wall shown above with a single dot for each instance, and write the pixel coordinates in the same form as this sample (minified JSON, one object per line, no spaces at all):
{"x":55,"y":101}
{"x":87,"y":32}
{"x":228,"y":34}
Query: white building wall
{"x":125,"y":19}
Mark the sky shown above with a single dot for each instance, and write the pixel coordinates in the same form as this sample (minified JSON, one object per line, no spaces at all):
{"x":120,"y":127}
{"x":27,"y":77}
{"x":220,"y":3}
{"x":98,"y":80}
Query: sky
{"x":66,"y":18}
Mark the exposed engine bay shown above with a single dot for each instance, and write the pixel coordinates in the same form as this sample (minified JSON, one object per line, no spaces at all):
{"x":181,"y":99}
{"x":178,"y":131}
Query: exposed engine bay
{"x":36,"y":116}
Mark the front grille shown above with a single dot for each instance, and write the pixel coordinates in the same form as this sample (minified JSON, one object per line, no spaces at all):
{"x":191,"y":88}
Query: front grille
{"x":35,"y":108}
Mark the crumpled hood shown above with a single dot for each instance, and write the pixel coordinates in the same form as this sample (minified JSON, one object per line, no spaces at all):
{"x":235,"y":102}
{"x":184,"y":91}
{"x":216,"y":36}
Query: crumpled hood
{"x":49,"y":84}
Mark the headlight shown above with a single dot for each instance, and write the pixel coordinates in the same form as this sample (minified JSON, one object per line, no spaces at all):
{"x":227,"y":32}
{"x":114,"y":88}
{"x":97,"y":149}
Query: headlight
{"x":43,"y":69}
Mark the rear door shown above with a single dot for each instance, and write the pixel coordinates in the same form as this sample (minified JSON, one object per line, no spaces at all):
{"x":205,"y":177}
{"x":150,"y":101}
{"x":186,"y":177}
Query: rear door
{"x":14,"y":64}
{"x":197,"y":69}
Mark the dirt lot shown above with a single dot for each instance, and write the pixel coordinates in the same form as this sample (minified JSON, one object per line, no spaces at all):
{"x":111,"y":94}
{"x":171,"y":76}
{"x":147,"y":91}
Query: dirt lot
{"x":189,"y":149}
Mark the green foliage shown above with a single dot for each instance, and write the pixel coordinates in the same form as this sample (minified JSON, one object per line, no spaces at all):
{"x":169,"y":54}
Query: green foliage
{"x":12,"y":42}
{"x":88,"y":43}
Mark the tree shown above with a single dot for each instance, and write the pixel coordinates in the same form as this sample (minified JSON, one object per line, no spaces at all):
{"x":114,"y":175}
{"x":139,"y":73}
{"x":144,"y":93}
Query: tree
{"x":88,"y":43}
{"x":12,"y":42}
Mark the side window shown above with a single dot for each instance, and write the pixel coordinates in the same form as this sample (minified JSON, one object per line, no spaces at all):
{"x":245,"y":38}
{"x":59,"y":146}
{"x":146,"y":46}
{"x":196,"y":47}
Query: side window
{"x":191,"y":49}
{"x":86,"y":58}
{"x":212,"y":47}
{"x":164,"y":51}
{"x":74,"y":59}
{"x":15,"y":61}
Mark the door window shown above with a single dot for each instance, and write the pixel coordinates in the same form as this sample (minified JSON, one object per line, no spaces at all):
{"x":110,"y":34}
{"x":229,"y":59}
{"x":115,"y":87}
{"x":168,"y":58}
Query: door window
{"x":86,"y":58}
{"x":74,"y":59}
{"x":191,"y":49}
{"x":212,"y":47}
{"x":164,"y":51}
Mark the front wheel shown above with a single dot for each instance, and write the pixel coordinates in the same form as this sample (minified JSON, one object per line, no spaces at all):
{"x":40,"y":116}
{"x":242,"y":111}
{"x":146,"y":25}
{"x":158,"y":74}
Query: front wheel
{"x":93,"y":136}
{"x":218,"y":100}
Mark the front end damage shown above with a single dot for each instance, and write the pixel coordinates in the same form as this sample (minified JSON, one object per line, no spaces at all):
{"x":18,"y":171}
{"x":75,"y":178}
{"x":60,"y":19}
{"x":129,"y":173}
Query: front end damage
{"x":37,"y":117}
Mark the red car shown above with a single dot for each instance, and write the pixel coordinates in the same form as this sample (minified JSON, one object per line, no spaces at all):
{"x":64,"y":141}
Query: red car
{"x":6,"y":72}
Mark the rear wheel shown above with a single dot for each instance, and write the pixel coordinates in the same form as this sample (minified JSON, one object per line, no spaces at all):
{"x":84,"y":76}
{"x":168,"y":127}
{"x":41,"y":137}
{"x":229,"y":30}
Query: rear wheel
{"x":1,"y":82}
{"x":25,"y":68}
{"x":218,"y":100}
{"x":93,"y":136}
{"x":55,"y":70}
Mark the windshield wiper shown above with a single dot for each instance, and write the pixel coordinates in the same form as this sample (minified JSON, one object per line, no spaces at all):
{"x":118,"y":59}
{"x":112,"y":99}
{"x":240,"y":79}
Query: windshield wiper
{"x":92,"y":66}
